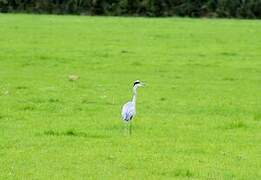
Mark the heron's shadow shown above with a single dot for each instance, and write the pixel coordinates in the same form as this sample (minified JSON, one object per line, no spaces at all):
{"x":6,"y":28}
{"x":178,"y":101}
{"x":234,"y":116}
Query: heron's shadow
{"x":73,"y":133}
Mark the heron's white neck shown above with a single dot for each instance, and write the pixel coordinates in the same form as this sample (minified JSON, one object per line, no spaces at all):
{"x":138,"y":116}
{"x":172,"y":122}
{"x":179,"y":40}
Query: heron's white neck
{"x":134,"y":95}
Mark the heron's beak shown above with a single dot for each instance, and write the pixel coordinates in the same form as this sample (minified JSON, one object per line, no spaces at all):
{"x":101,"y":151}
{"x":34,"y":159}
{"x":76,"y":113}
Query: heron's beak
{"x":142,"y":84}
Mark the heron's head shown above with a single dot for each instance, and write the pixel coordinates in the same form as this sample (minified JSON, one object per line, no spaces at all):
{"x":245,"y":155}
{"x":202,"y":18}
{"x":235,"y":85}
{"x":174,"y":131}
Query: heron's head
{"x":138,"y":84}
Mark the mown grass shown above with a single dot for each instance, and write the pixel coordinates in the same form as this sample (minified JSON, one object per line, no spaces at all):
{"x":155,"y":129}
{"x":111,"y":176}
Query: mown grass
{"x":198,"y":117}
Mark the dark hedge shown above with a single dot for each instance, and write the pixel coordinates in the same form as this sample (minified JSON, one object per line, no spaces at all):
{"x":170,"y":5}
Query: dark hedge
{"x":158,"y":8}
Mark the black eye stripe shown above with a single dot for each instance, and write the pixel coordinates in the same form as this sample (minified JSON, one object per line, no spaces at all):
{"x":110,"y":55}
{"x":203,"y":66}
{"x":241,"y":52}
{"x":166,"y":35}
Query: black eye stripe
{"x":136,"y":83}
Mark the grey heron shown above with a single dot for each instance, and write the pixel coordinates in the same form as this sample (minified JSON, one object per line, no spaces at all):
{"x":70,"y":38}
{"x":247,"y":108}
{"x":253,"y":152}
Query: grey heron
{"x":129,"y":109}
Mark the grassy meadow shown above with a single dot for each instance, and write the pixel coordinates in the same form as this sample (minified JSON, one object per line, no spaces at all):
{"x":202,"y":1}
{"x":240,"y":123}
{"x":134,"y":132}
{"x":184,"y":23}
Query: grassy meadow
{"x":199,"y":116}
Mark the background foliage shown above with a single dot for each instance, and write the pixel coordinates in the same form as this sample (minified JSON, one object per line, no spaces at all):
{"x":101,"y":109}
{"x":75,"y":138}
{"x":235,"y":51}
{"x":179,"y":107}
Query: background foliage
{"x":192,"y":8}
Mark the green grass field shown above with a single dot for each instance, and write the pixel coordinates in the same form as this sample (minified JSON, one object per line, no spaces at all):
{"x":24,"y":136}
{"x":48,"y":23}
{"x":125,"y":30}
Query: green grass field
{"x":199,"y":116}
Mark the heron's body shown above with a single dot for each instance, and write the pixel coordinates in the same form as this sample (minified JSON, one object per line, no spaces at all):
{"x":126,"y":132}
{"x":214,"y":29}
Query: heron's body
{"x":129,"y":109}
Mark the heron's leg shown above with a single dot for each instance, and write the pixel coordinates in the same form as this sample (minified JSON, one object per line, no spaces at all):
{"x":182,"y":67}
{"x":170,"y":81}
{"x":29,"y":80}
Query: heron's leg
{"x":130,"y":127}
{"x":126,"y":127}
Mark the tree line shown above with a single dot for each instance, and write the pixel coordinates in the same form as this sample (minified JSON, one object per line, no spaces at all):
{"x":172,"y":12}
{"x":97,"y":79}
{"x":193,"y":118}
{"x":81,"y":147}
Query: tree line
{"x":154,"y":8}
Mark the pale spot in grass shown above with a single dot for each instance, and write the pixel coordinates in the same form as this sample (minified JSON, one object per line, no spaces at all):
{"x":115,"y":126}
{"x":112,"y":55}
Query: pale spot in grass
{"x":103,"y":96}
{"x":73,"y":77}
{"x":111,"y":157}
{"x":6,"y":92}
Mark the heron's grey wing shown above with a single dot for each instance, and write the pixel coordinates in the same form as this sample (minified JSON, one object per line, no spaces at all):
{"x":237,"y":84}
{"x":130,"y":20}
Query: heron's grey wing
{"x":128,"y":111}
